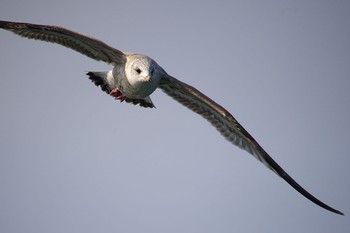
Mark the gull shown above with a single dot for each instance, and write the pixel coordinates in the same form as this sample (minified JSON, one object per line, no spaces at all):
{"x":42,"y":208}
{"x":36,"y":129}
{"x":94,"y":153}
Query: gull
{"x":135,"y":77}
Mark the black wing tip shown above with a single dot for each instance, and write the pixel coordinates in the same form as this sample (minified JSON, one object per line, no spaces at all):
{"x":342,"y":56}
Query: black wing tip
{"x":9,"y":25}
{"x":338,"y":212}
{"x":334,"y":210}
{"x":305,"y":193}
{"x":4,"y":22}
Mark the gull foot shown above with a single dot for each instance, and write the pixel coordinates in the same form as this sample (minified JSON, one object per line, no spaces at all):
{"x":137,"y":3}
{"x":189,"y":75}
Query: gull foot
{"x":117,"y":94}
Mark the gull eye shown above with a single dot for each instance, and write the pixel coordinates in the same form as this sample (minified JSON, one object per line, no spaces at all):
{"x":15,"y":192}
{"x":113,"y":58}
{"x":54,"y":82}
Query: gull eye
{"x":138,"y":70}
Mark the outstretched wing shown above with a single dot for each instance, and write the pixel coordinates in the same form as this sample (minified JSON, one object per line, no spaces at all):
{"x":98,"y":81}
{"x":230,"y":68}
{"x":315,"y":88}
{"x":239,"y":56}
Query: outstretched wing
{"x":88,"y":46}
{"x":229,"y":127}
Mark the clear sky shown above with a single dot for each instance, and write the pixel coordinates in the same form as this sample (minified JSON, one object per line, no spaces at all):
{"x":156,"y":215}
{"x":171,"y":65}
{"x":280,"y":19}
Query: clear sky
{"x":72,"y":159}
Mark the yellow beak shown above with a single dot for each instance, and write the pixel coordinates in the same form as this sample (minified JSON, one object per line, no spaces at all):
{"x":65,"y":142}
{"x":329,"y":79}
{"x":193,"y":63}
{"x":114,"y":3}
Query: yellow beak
{"x":148,"y":78}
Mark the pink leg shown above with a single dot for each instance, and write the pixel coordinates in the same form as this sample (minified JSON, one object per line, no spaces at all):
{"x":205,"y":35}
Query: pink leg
{"x":117,"y":94}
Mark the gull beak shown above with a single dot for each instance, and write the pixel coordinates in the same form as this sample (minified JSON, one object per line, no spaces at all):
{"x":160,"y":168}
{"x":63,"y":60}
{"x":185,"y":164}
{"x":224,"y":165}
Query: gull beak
{"x":148,"y":78}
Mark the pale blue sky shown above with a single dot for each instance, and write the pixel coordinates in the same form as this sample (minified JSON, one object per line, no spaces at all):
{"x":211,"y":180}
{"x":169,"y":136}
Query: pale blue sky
{"x":72,"y":159}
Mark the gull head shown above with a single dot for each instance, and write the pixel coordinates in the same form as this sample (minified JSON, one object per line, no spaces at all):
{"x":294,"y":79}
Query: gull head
{"x":143,"y":74}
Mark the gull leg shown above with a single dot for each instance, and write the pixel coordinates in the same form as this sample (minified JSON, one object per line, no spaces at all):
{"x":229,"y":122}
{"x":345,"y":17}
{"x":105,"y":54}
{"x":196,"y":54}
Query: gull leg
{"x":117,"y":94}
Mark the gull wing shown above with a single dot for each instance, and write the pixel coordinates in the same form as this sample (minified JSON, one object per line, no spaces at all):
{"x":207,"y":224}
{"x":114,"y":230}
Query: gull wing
{"x":229,"y":127}
{"x":88,"y":46}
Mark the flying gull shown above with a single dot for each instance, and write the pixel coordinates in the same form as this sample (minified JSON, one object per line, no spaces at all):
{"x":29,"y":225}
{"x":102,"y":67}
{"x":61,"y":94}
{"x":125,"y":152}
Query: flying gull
{"x":135,"y":77}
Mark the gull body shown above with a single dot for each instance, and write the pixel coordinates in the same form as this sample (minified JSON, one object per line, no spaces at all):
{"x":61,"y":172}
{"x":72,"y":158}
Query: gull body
{"x":135,"y":77}
{"x":133,"y":82}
